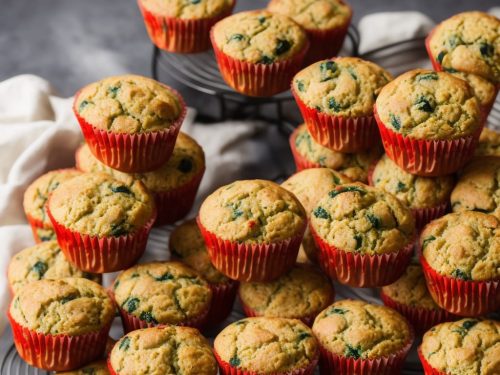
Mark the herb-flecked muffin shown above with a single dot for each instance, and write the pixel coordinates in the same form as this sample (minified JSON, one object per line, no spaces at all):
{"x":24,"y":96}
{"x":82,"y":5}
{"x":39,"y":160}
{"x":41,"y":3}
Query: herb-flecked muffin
{"x":365,"y":235}
{"x":461,"y":253}
{"x":336,"y":99}
{"x":360,"y":334}
{"x":464,"y":347}
{"x":325,"y":22}
{"x":435,"y":109}
{"x":468,"y":42}
{"x":307,"y":153}
{"x":163,"y":350}
{"x":96,"y":206}
{"x":252,"y":229}
{"x":489,"y":143}
{"x":161,"y":293}
{"x":93,"y":368}
{"x":130,"y":122}
{"x":174,"y":184}
{"x":258,"y":52}
{"x":42,"y":261}
{"x":35,"y":200}
{"x":262,"y":345}
{"x":45,"y":312}
{"x":301,"y":294}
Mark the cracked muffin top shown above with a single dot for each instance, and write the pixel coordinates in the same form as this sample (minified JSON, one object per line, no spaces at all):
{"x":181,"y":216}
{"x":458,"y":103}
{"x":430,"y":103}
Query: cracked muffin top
{"x":358,"y":329}
{"x":484,"y":90}
{"x":363,"y":219}
{"x":253,"y":211}
{"x":468,"y":42}
{"x":259,"y":37}
{"x":71,"y":306}
{"x":344,"y":86}
{"x":162,"y":292}
{"x":423,"y":104}
{"x":188,"y":9}
{"x":489,"y":143}
{"x":93,"y":368}
{"x":267,"y":345}
{"x":465,"y":347}
{"x":96,"y":204}
{"x":128,"y":104}
{"x":463,"y":245}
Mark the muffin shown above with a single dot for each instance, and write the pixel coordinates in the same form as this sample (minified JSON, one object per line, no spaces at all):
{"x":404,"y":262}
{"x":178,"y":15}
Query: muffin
{"x":468,"y":346}
{"x":180,"y":26}
{"x":429,"y":122}
{"x":162,"y":350}
{"x":93,"y":368}
{"x":477,"y":189}
{"x":42,"y":261}
{"x":365,"y":235}
{"x":468,"y":42}
{"x":336,"y":99}
{"x":300,"y":294}
{"x":35,"y":199}
{"x":356,"y":337}
{"x":258,"y":346}
{"x":252,"y":229}
{"x":489,"y":143}
{"x":102,"y":224}
{"x":174,"y":185}
{"x":427,"y":197}
{"x":130,"y":122}
{"x":460,"y":257}
{"x":186,"y":242}
{"x":307,"y":153}
{"x":161,"y":293}
{"x":60,"y":325}
{"x":258,"y":52}
{"x":325,"y":22}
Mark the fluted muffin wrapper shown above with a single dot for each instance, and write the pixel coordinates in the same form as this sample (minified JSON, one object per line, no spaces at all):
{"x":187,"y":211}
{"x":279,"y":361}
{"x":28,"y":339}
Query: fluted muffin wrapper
{"x":254,"y":79}
{"x":301,"y":162}
{"x":254,"y":261}
{"x":460,"y":297}
{"x":58,"y":352}
{"x":180,"y":35}
{"x":35,"y":225}
{"x":428,"y":369}
{"x":223,"y":296}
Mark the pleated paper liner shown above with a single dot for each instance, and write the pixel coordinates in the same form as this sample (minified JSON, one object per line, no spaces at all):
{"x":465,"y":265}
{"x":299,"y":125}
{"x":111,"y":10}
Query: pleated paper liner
{"x":460,"y":297}
{"x":37,"y":225}
{"x":58,"y":352}
{"x":428,"y":369}
{"x":301,"y":162}
{"x":223,"y":296}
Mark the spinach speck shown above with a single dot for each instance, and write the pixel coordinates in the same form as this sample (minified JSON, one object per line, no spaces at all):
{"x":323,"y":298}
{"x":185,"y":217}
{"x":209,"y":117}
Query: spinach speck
{"x":426,"y":241}
{"x":266,"y":60}
{"x":450,"y":70}
{"x":337,"y":310}
{"x":300,"y":85}
{"x":67,"y":299}
{"x":332,"y":104}
{"x":165,"y":277}
{"x":463,"y":330}
{"x":341,"y":189}
{"x":375,"y":221}
{"x":185,"y":165}
{"x":359,"y":241}
{"x":327,"y":70}
{"x":124,"y":344}
{"x":237,"y":37}
{"x":82,"y":106}
{"x":400,"y":187}
{"x":395,"y":121}
{"x":89,"y":371}
{"x":351,"y":352}
{"x":118,"y":229}
{"x":440,"y":57}
{"x":336,"y":179}
{"x":282,"y":46}
{"x":236,"y":213}
{"x":321,"y":213}
{"x":121,"y":189}
{"x":131,"y":304}
{"x":113,"y":90}
{"x":234,"y":361}
{"x":261,"y":19}
{"x":428,"y":77}
{"x":462,"y":275}
{"x":423,"y":104}
{"x":195,"y":2}
{"x":486,"y":49}
{"x":303,"y":335}
{"x":148,"y":317}
{"x":40,"y":268}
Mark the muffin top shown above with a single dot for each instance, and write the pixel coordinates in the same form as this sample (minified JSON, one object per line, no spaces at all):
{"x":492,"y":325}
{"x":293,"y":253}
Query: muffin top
{"x":477,"y":189}
{"x":267,"y":345}
{"x":484,"y":90}
{"x":465,"y":347}
{"x":163,"y":350}
{"x":129,"y":104}
{"x":300,"y":293}
{"x":162,"y":292}
{"x":187,"y":242}
{"x":423,"y":104}
{"x":354,"y":166}
{"x":363,"y":219}
{"x":93,"y":368}
{"x":489,"y":143}
{"x":36,"y":195}
{"x":411,"y":290}
{"x":314,"y":14}
{"x":468,"y":42}
{"x":71,"y":306}
{"x":463,"y":245}
{"x":42,"y":261}
{"x":187,"y":161}
{"x":358,"y":329}
{"x":191,"y":9}
{"x":96,"y":204}
{"x":414,"y":191}
{"x":344,"y":86}
{"x":253,"y":211}
{"x":259,"y":37}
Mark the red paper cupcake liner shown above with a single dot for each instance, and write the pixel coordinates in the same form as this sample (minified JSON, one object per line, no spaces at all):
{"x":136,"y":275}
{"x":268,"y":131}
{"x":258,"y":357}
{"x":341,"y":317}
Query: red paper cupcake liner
{"x":58,"y":352}
{"x":35,"y":225}
{"x":428,"y":369}
{"x":100,"y":255}
{"x":460,"y":297}
{"x":427,"y":157}
{"x":362,"y":271}
{"x":435,"y":65}
{"x":301,"y":162}
{"x":223,"y":296}
{"x":251,"y":262}
{"x":254,"y":79}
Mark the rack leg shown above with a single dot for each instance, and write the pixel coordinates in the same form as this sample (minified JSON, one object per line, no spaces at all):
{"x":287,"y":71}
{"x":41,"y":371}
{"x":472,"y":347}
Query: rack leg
{"x":154,"y":63}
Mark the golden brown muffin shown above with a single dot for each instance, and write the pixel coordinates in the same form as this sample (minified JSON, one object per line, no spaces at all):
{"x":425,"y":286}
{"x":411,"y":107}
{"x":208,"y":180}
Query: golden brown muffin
{"x":484,"y":90}
{"x":94,"y":368}
{"x":188,"y":10}
{"x":489,"y":143}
